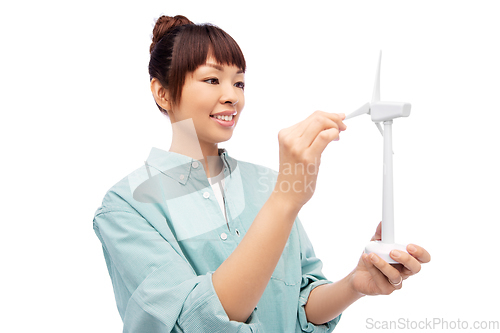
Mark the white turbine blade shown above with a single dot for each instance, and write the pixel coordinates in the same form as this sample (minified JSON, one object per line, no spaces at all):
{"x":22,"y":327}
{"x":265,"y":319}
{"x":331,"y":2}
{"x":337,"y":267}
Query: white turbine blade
{"x":362,"y":110}
{"x":376,"y":87}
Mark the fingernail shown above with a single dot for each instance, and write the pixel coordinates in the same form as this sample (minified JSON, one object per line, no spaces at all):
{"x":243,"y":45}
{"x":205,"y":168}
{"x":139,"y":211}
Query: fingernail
{"x":395,"y":254}
{"x":411,"y":248}
{"x":374,"y":259}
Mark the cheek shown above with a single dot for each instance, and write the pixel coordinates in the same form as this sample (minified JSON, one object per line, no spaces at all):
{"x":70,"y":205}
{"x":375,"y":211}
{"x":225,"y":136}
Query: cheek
{"x":205,"y":100}
{"x":198,"y":97}
{"x":241,"y":101}
{"x":198,"y":107}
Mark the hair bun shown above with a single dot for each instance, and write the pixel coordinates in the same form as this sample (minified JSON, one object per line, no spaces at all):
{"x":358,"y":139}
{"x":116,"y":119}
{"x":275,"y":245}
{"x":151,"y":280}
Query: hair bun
{"x":164,"y":24}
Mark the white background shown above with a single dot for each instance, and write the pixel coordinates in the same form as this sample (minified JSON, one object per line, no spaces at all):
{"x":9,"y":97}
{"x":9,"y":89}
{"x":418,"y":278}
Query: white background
{"x":77,"y":116}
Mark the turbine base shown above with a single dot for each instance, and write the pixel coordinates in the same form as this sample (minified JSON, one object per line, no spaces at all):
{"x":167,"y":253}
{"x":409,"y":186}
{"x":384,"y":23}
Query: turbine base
{"x":384,"y":249}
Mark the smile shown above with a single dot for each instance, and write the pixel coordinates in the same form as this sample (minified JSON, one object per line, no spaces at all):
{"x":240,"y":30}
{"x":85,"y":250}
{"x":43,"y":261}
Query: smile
{"x":225,"y":118}
{"x":225,"y":121}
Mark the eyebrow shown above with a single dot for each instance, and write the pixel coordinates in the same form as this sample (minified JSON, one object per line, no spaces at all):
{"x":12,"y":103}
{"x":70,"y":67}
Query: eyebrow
{"x":220,"y":68}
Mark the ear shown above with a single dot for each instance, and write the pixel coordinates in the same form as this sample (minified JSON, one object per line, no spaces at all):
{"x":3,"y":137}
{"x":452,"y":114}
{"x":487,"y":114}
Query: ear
{"x":160,"y":94}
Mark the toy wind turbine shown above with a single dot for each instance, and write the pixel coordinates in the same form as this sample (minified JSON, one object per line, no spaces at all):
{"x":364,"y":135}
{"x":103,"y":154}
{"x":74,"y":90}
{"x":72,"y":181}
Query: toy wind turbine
{"x":384,"y":112}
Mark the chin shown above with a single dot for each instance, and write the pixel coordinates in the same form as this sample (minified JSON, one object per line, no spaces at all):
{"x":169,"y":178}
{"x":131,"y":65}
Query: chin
{"x":224,"y":139}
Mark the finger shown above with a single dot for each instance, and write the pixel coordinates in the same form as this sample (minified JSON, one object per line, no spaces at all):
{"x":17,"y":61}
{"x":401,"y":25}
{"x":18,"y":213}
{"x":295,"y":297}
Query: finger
{"x":296,"y":129}
{"x":321,"y":115}
{"x":419,"y":253}
{"x":309,"y":129}
{"x":289,"y":130}
{"x":391,"y":273}
{"x":316,"y":126}
{"x":405,"y":272}
{"x":299,"y":128}
{"x":378,"y":233}
{"x":378,"y":277}
{"x":322,"y":140}
{"x":336,"y":117}
{"x":408,"y":261}
{"x":339,"y":119}
{"x":382,"y":272}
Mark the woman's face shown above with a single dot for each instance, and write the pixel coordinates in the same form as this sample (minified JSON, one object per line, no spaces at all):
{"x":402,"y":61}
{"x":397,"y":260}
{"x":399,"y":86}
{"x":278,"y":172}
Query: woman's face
{"x":210,"y":90}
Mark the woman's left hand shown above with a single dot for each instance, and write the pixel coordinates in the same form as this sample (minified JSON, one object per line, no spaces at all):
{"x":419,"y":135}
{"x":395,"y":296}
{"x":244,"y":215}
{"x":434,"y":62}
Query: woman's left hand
{"x":373,"y":276}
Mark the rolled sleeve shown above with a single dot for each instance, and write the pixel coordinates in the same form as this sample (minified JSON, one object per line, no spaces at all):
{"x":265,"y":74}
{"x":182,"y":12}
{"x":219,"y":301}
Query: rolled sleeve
{"x":194,"y":307}
{"x":311,"y":278}
{"x":306,"y":326}
{"x":155,"y":288}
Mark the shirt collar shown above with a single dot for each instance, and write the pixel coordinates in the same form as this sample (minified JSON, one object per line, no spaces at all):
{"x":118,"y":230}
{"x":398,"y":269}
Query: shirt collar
{"x":178,"y":166}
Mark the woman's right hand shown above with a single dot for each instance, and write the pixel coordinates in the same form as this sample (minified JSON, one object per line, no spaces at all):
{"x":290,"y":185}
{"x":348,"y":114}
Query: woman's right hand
{"x":301,"y":146}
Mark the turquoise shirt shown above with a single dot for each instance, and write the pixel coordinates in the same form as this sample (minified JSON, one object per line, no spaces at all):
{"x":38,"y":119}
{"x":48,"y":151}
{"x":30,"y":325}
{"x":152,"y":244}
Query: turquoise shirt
{"x":163,"y":234}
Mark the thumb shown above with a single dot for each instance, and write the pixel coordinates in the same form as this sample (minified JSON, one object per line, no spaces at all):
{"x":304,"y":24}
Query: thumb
{"x":378,"y":233}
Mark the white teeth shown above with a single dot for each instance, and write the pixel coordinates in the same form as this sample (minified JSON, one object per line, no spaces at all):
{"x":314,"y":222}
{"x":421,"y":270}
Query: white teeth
{"x":226,"y":118}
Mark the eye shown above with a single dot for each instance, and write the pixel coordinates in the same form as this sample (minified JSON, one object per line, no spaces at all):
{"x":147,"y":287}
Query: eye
{"x":212,"y":81}
{"x":240,"y":85}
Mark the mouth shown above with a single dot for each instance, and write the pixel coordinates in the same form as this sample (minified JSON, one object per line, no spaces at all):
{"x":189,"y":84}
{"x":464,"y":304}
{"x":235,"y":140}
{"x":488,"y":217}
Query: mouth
{"x":223,"y":118}
{"x":225,"y":121}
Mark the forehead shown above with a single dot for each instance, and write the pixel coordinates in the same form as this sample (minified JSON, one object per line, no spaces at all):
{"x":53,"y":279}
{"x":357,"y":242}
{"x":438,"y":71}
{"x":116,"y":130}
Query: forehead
{"x":211,"y":62}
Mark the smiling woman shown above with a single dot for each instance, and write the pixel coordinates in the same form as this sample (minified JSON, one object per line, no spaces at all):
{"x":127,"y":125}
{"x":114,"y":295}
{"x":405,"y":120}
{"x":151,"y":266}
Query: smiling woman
{"x":212,"y":99}
{"x":171,"y":60}
{"x":197,"y":75}
{"x":197,"y":241}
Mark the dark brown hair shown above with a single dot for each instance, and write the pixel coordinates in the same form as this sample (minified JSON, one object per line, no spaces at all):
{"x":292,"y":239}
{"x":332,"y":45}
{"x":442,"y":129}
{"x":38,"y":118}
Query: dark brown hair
{"x":179,"y":47}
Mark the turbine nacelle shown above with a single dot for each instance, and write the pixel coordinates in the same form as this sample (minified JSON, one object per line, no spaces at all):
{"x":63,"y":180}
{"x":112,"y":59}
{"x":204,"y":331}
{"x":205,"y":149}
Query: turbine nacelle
{"x":381,"y":111}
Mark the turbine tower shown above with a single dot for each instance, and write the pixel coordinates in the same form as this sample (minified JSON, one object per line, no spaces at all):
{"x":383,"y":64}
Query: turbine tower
{"x":386,"y":112}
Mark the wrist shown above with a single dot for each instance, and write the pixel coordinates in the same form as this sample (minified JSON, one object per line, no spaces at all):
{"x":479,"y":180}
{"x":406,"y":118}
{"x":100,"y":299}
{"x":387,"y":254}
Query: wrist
{"x":286,"y":205}
{"x":355,"y":293}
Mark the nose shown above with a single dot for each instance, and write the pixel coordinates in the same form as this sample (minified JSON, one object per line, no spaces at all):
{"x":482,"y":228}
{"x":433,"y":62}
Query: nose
{"x":231,"y":102}
{"x":229,"y":95}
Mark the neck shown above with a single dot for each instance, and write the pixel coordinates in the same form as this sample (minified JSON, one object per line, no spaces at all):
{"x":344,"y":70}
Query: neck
{"x":185,"y":141}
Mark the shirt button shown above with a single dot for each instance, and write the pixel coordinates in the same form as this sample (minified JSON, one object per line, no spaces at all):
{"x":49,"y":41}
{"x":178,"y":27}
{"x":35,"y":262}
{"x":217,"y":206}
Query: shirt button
{"x":181,"y":177}
{"x":223,"y":236}
{"x":195,"y":164}
{"x":237,"y":232}
{"x":206,"y":195}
